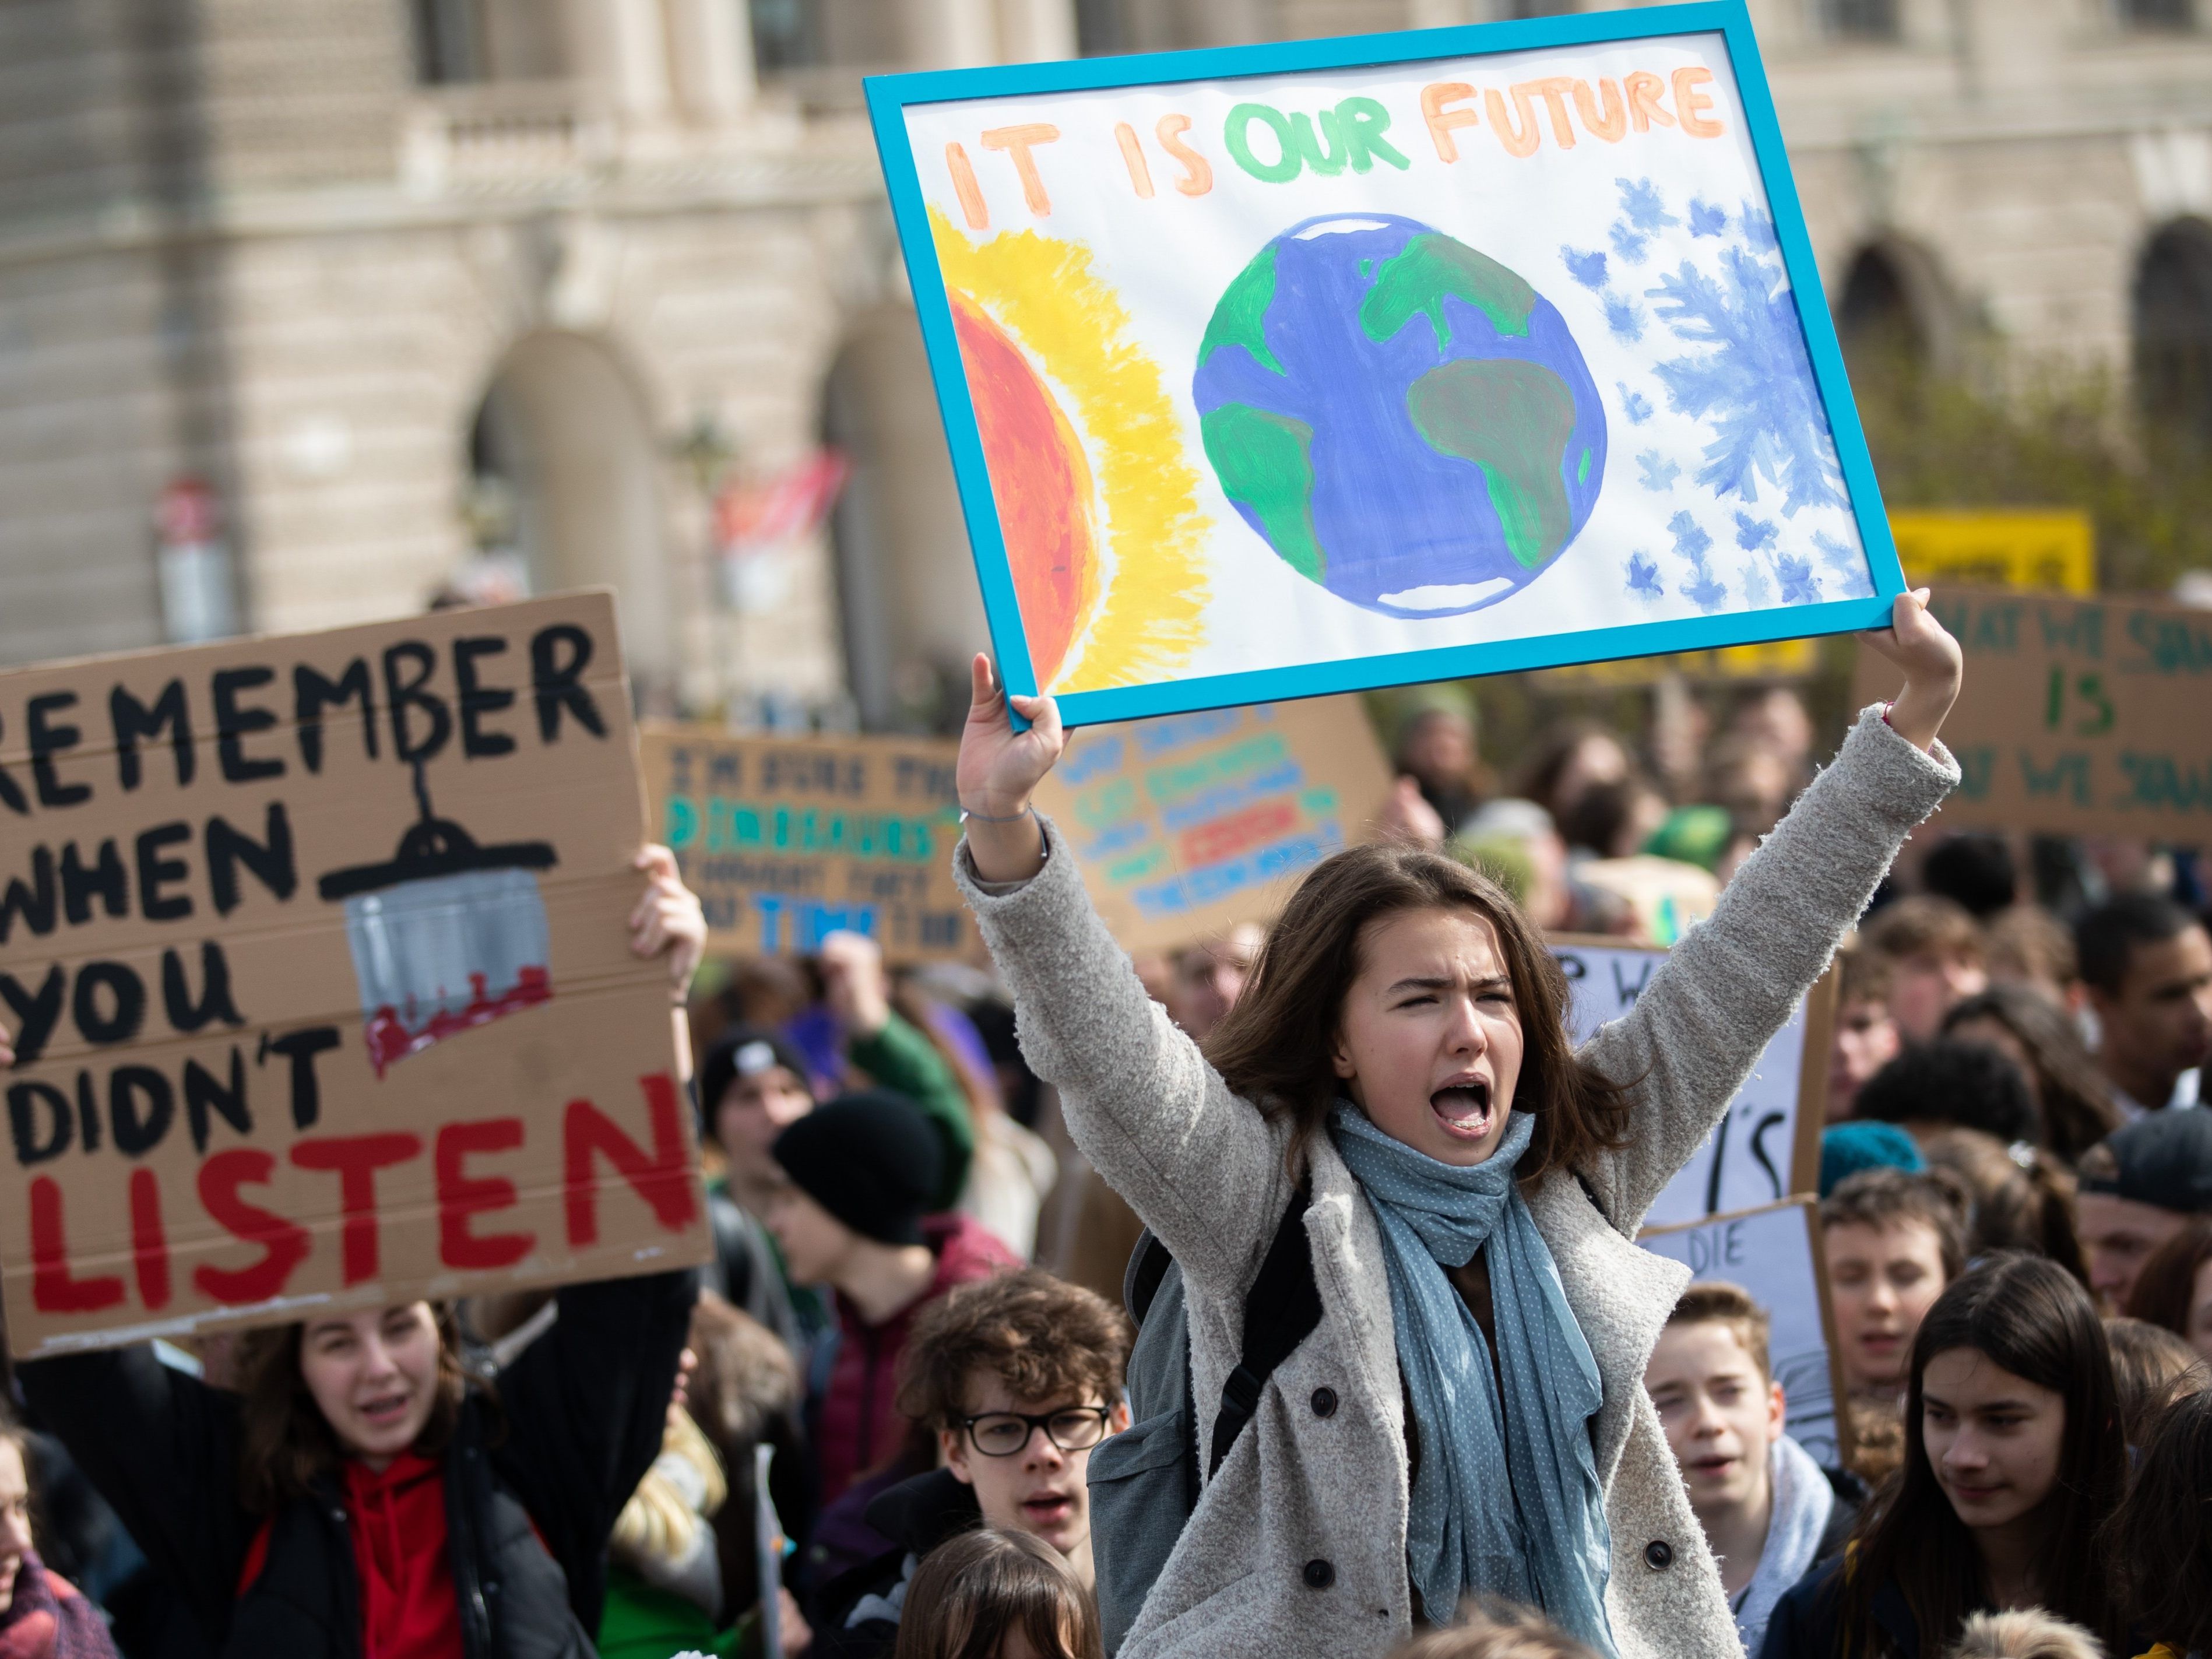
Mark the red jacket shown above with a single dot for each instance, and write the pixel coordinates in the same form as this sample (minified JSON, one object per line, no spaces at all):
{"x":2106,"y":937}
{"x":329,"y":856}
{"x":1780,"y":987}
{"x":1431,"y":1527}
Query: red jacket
{"x":859,"y":1426}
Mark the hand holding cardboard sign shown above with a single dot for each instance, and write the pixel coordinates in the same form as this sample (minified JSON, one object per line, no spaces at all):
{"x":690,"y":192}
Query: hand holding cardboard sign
{"x":1932,"y":662}
{"x":1000,"y":769}
{"x":668,"y":920}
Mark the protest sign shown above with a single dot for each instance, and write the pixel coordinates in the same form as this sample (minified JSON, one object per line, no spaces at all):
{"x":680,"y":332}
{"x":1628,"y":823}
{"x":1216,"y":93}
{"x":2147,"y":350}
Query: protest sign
{"x":1305,"y":367}
{"x":2053,"y":550}
{"x":1768,"y":1147}
{"x":315,"y":951}
{"x":786,"y":840}
{"x":1774,"y":1252}
{"x":1185,"y":826}
{"x":2079,"y":717}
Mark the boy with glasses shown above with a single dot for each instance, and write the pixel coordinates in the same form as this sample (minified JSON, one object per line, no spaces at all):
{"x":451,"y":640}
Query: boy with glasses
{"x":1019,"y":1377}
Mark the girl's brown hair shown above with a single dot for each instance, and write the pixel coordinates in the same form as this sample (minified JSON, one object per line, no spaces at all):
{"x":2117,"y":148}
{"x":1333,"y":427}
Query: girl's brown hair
{"x":285,"y":1445}
{"x":967,"y":1593}
{"x":1276,"y":1046}
{"x":2166,"y":1286}
{"x":2029,"y":1316}
{"x":2160,"y":1540}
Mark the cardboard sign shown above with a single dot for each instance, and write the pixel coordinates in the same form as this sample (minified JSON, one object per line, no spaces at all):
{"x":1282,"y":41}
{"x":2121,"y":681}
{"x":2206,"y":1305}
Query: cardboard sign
{"x":786,"y":840}
{"x":1774,"y":1252}
{"x":316,"y":956}
{"x":1768,"y":1147}
{"x":2078,"y":717}
{"x":2055,"y":551}
{"x":1777,"y":660}
{"x":1185,"y":827}
{"x":1307,"y":367}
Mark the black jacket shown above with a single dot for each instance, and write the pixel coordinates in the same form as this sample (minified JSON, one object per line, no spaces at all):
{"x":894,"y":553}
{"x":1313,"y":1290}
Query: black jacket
{"x":1808,"y":1622}
{"x":916,"y":1516}
{"x":581,"y":1414}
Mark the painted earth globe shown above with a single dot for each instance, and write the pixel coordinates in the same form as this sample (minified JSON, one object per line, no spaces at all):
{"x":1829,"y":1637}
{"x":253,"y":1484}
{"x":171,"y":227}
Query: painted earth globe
{"x":1403,"y":419}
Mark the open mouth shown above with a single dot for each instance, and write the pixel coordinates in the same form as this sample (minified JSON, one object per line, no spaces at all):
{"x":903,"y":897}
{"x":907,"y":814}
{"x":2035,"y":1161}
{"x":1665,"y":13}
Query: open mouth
{"x":1463,"y":1106}
{"x":1047,"y":1508}
{"x":385,"y":1412}
{"x":1713,"y":1468}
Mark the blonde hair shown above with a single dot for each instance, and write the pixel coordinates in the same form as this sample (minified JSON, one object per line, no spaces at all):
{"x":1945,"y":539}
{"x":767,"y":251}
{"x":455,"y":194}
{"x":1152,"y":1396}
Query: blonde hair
{"x":1489,"y":1628}
{"x":659,"y":1522}
{"x":2029,"y":1633}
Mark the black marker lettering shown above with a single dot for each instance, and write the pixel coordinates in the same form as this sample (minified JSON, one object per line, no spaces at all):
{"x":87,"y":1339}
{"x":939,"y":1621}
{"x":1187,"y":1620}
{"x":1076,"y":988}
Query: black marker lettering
{"x":401,"y":694}
{"x":128,"y":1014}
{"x":37,"y":1013}
{"x":215,"y":1001}
{"x":33,"y":903}
{"x":24,"y":1100}
{"x":558,"y":684}
{"x":204,"y":1092}
{"x":233,"y":723}
{"x":133,"y":719}
{"x":312,"y":694}
{"x":477,"y":701}
{"x":137,"y":1134}
{"x":269,"y":859}
{"x":155,"y":870}
{"x":48,"y":741}
{"x":107,"y":880}
{"x":300,"y":1047}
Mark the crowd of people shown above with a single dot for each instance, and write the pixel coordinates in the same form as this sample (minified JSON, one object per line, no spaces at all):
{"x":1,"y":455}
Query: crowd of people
{"x":1282,"y":1296}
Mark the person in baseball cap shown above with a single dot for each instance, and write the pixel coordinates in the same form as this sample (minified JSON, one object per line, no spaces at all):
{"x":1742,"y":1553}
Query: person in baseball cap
{"x":2140,"y":1186}
{"x":859,"y":1176}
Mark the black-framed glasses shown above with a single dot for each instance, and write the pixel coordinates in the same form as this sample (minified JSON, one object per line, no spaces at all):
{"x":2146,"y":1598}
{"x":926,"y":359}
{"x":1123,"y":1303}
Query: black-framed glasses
{"x":1006,"y":1434}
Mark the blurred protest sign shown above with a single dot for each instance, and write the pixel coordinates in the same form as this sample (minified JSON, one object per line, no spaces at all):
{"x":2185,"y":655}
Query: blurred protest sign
{"x":1773,"y":659}
{"x":2053,"y":550}
{"x":315,"y":951}
{"x":786,"y":840}
{"x":1774,"y":1252}
{"x":1768,"y":1147}
{"x":1668,"y":897}
{"x":1185,"y":826}
{"x":2076,"y":716}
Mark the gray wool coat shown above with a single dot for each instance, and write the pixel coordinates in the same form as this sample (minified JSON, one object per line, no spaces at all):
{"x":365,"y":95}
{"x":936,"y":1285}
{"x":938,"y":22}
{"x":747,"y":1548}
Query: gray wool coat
{"x":1298,"y":1545}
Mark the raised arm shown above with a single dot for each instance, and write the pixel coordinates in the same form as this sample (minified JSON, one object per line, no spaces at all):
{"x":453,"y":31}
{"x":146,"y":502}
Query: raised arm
{"x":1699,"y":1027}
{"x":1201,"y":1167}
{"x":162,"y":1448}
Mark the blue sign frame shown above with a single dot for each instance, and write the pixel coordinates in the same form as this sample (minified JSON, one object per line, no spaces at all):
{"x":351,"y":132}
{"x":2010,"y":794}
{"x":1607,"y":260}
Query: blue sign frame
{"x":890,"y":95}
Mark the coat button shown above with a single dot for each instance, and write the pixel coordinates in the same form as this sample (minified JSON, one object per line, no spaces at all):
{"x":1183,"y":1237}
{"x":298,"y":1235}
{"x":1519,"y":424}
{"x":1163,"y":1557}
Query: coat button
{"x":1324,"y":1402}
{"x":1319,"y":1573}
{"x":1659,"y":1553}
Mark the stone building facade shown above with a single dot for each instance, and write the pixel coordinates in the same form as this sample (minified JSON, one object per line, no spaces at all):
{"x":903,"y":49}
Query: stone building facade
{"x":405,"y":290}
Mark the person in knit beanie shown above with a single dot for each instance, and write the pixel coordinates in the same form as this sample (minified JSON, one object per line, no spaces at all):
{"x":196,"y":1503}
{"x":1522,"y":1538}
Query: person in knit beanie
{"x":854,"y":1212}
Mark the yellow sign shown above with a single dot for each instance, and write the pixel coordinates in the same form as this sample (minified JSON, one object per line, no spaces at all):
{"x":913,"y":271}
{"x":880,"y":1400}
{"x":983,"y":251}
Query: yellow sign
{"x":2056,"y":551}
{"x":1775,"y":660}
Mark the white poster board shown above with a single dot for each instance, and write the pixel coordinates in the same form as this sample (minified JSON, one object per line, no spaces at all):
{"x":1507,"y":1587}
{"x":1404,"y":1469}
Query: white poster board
{"x":1774,"y":1253}
{"x":1768,"y":1147}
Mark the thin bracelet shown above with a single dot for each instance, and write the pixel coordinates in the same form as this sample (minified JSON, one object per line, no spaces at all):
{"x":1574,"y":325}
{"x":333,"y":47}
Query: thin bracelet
{"x":985,"y":817}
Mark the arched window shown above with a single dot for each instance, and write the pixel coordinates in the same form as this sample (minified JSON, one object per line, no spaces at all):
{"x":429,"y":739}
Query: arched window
{"x":449,"y":42}
{"x":2173,"y":333}
{"x":1881,"y":330}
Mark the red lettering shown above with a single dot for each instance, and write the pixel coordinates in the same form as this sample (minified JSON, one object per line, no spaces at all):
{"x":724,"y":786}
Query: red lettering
{"x":663,"y":1180}
{"x":283,"y":1246}
{"x":355,"y":1159}
{"x":461,"y":1195}
{"x":53,"y":1288}
{"x":150,"y":1245}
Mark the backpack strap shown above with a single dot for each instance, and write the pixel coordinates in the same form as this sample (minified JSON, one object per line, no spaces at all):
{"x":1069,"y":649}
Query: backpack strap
{"x":1140,"y":1280}
{"x":1280,"y":1311}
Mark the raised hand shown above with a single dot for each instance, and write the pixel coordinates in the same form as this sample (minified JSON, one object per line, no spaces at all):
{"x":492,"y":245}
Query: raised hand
{"x":667,"y":920}
{"x":853,"y":983}
{"x":1932,"y":662}
{"x":1000,"y":770}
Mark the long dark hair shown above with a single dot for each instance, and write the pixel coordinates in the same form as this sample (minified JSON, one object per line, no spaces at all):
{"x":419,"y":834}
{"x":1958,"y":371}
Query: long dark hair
{"x":2160,"y":1541}
{"x":285,"y":1444}
{"x":969,"y":1593}
{"x":2028,"y":1316}
{"x":1275,"y":1046}
{"x":2075,"y":1101}
{"x":2166,"y":1286}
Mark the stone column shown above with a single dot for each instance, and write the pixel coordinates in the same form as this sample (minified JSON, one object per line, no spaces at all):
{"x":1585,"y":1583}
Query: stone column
{"x":1036,"y":31}
{"x":951,"y":34}
{"x":622,"y":50}
{"x":710,"y":50}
